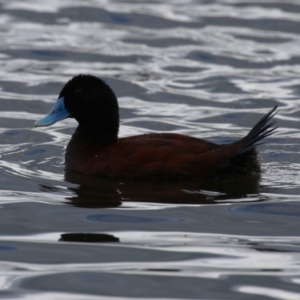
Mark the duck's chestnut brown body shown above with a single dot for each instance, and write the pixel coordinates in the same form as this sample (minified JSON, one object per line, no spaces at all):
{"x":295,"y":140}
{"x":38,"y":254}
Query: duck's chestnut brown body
{"x":166,"y":155}
{"x":95,"y":148}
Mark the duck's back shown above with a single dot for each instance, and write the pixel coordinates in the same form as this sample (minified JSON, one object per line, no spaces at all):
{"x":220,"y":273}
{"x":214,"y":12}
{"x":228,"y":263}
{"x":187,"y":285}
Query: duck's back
{"x":154,"y":155}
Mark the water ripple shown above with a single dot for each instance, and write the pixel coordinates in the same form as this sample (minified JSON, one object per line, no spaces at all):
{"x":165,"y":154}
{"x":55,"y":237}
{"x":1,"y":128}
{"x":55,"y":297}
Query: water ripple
{"x":207,"y":69}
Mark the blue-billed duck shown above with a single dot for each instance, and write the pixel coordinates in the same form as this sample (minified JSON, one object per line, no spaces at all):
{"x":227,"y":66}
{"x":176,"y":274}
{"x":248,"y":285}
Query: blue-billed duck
{"x":95,"y":148}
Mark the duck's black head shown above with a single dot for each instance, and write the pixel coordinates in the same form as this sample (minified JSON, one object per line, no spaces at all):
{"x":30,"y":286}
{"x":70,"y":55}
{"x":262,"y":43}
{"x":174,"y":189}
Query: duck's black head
{"x":92,"y":103}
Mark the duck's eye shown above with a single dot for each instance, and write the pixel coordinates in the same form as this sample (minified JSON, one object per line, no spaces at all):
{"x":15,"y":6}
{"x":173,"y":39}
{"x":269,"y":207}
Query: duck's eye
{"x":78,"y":91}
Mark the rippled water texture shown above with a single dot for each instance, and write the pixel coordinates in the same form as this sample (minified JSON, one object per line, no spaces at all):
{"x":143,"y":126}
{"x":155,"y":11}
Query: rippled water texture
{"x":208,"y":69}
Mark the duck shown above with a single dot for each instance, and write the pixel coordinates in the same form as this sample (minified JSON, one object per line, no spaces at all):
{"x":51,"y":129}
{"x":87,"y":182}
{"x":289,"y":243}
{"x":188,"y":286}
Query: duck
{"x":95,"y":148}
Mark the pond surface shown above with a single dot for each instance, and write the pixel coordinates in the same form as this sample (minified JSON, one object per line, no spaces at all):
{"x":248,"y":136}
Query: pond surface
{"x":208,"y":69}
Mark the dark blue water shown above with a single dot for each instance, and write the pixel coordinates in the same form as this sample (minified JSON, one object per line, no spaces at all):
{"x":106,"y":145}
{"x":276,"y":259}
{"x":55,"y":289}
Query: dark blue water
{"x":208,"y":69}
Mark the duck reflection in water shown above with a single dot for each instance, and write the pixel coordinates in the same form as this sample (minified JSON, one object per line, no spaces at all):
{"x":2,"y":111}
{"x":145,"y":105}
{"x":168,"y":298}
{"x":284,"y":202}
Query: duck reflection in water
{"x":112,"y":192}
{"x":96,"y":150}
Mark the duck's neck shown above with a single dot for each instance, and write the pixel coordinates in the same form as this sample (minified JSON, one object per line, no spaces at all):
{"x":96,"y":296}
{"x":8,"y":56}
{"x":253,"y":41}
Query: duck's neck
{"x":98,"y":136}
{"x":102,"y":130}
{"x":80,"y":149}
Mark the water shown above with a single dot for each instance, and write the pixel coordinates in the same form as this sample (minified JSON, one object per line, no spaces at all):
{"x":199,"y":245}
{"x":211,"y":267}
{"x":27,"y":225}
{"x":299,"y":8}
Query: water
{"x":208,"y":69}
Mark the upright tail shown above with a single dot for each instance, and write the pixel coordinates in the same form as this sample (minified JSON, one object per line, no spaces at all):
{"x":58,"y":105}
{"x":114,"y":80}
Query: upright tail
{"x":229,"y":158}
{"x":262,"y":129}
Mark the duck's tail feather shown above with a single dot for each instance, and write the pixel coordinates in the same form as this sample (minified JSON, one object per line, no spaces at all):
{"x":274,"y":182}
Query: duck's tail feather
{"x":261,"y":130}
